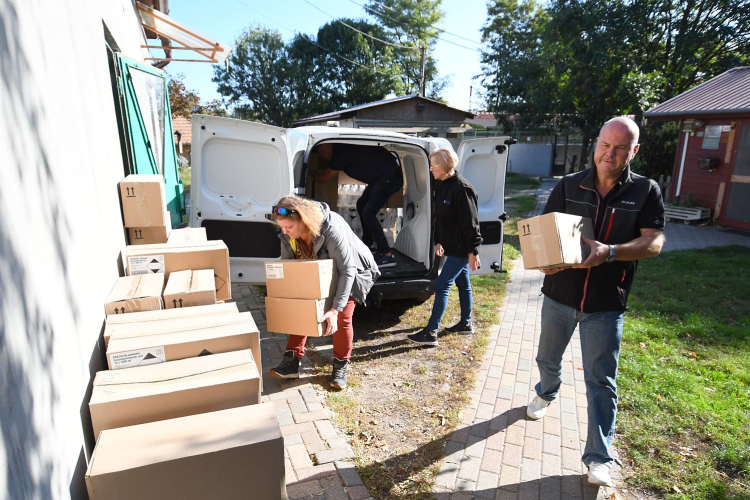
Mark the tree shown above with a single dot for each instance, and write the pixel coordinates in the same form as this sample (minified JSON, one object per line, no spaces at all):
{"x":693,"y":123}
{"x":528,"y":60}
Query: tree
{"x":258,"y":79}
{"x":410,"y":25}
{"x":183,"y":102}
{"x":358,"y":69}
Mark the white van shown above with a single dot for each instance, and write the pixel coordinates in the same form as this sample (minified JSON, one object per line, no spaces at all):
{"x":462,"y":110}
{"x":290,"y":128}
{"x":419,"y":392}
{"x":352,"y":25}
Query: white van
{"x":240,"y":169}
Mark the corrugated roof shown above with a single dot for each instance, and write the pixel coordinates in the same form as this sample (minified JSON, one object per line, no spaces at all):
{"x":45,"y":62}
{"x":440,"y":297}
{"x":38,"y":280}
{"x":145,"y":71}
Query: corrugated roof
{"x":338,"y":114}
{"x":183,"y":126}
{"x":727,"y":93}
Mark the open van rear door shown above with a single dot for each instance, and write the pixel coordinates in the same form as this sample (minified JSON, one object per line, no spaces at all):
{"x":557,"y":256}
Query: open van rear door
{"x":240,"y":169}
{"x":483,"y":162}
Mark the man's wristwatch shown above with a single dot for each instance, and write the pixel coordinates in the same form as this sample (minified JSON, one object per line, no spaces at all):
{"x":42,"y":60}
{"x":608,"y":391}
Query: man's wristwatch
{"x":612,"y":254}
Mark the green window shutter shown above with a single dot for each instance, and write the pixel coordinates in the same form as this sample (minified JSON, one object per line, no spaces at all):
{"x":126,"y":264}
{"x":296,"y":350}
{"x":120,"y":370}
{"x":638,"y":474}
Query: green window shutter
{"x":149,"y":129}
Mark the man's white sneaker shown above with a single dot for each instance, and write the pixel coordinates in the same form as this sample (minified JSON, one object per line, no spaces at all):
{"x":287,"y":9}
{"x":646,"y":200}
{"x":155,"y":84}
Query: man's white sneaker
{"x":537,"y":408}
{"x":599,"y":475}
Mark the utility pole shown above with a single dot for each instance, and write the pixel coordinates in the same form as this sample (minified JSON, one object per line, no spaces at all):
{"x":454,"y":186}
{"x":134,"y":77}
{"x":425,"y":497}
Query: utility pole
{"x":421,"y":74}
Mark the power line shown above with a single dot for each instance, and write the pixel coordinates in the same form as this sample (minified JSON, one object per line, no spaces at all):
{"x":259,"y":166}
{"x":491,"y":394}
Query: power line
{"x":380,"y":14}
{"x":361,"y":32}
{"x":308,"y":40}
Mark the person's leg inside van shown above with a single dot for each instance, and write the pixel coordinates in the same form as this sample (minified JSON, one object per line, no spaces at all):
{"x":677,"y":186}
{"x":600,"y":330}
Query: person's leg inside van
{"x":374,"y":197}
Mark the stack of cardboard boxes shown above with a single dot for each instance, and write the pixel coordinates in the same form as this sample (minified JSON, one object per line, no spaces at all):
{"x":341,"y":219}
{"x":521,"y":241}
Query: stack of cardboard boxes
{"x":144,"y":209}
{"x":299,"y":292}
{"x":178,"y":414}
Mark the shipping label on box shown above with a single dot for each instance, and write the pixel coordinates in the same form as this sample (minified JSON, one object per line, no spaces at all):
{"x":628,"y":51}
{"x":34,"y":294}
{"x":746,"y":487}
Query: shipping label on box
{"x":190,"y":288}
{"x":297,"y":316}
{"x":138,"y":357}
{"x":143,"y":200}
{"x":301,"y":279}
{"x":554,"y":240}
{"x":175,"y":389}
{"x":135,"y":293}
{"x":187,"y":235}
{"x":169,"y":258}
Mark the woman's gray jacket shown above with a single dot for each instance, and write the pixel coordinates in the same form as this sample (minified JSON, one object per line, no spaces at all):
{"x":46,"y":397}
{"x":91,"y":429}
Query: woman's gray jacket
{"x":354,"y":263}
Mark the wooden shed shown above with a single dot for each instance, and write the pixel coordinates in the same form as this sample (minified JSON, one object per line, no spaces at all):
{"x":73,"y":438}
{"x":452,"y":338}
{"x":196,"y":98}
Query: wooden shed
{"x":712,"y":162}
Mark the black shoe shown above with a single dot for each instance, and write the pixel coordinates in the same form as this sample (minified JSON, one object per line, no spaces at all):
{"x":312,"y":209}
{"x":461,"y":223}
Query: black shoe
{"x":288,"y":368}
{"x":338,"y":375}
{"x":461,"y":327}
{"x":425,"y":337}
{"x":386,"y":261}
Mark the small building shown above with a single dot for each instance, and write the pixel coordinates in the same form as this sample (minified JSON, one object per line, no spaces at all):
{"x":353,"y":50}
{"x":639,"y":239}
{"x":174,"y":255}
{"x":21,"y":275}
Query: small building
{"x":712,"y":163}
{"x":183,"y":134}
{"x":410,"y":114}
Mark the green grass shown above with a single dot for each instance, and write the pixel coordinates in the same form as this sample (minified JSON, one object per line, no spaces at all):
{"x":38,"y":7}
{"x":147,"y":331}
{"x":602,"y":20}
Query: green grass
{"x":684,"y":382}
{"x":185,"y":178}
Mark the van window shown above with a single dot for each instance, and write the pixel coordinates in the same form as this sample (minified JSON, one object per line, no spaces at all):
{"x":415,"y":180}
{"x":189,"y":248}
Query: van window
{"x":480,"y":171}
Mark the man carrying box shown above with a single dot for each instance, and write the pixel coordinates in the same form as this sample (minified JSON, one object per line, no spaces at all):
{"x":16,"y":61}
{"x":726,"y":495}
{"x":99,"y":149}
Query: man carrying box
{"x":628,"y":214}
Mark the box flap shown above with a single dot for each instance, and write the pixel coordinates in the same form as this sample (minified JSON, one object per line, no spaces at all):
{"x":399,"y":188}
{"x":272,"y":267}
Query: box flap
{"x":172,"y":314}
{"x":132,"y":330}
{"x":142,"y":445}
{"x":114,"y":385}
{"x":134,"y":342}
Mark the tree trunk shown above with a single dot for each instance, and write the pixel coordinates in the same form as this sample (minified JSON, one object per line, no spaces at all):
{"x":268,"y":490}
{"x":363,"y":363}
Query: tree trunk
{"x":584,"y":159}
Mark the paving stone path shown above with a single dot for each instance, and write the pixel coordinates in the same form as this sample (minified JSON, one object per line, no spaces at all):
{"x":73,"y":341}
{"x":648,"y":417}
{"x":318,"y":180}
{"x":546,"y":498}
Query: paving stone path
{"x":495,"y":453}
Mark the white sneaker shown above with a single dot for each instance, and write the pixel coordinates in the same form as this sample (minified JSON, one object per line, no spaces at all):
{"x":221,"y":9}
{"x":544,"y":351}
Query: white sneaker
{"x":537,"y":408}
{"x":599,"y":475}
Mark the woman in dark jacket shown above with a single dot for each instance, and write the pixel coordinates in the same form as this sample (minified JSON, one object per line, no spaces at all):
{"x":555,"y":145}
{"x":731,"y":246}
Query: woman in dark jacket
{"x":309,"y":230}
{"x":457,"y":237}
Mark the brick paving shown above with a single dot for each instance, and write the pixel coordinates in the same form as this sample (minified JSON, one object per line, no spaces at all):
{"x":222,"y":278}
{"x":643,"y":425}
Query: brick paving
{"x":317,"y":456}
{"x":496,"y":453}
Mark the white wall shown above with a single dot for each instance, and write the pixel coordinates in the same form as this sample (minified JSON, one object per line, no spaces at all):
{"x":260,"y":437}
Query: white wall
{"x":60,"y":232}
{"x":530,"y":159}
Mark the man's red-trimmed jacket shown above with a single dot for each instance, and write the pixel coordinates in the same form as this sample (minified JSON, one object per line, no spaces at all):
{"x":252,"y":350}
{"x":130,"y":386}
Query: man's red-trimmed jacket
{"x":634,"y":203}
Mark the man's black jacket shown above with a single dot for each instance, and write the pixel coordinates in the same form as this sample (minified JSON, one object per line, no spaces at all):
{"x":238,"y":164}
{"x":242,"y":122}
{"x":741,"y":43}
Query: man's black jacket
{"x":456,"y":217}
{"x":634,"y":203}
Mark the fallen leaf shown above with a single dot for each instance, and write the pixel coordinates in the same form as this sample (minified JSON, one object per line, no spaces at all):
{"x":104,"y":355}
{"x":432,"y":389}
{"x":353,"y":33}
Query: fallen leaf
{"x":374,"y":422}
{"x":678,"y":490}
{"x":658,"y":396}
{"x":642,"y":344}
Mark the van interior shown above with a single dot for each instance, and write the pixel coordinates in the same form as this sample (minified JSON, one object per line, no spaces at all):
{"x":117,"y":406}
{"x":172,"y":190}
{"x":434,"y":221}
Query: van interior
{"x":406,"y":219}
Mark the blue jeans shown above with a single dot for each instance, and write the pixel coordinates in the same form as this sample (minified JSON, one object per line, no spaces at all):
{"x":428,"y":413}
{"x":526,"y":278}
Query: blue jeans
{"x":454,"y":269}
{"x":601,"y":335}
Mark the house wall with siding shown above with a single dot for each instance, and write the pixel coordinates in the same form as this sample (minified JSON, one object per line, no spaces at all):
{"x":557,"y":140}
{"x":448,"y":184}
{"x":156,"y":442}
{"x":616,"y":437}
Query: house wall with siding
{"x":61,"y":232}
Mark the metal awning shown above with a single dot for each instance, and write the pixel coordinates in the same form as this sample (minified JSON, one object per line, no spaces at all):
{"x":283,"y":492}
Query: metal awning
{"x":182,"y":38}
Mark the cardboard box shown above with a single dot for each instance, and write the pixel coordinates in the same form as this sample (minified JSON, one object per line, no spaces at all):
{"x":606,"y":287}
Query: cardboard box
{"x":143,"y":200}
{"x":190,"y":288}
{"x":170,"y":390}
{"x":141,"y":349}
{"x":228,"y":454}
{"x":166,"y":259}
{"x":300,"y":279}
{"x":172,"y":314}
{"x":554,"y":240}
{"x":296,"y":316}
{"x":187,"y":235}
{"x":135,"y":293}
{"x":151,"y":235}
{"x":127,"y":330}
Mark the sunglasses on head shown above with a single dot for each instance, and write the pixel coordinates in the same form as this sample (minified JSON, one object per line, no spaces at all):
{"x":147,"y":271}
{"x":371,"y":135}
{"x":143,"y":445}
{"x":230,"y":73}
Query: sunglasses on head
{"x":283,"y":211}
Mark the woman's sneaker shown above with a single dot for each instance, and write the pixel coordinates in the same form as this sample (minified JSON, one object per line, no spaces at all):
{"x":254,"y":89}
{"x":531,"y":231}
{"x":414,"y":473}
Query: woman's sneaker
{"x":385,"y":261}
{"x":288,"y":368}
{"x":599,"y":475}
{"x":425,"y":337}
{"x":461,"y":327}
{"x":338,"y":376}
{"x":537,"y":408}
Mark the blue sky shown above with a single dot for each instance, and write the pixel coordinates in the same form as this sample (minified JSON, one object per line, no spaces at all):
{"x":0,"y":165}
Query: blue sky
{"x":225,"y":19}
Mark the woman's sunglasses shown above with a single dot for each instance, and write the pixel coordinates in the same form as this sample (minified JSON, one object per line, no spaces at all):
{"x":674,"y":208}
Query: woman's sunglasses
{"x":283,"y":211}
